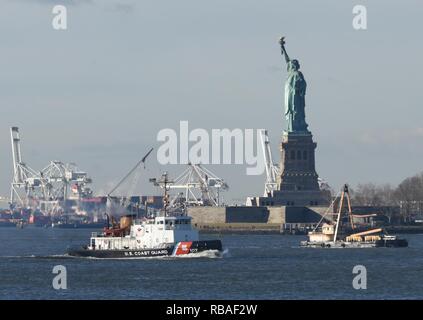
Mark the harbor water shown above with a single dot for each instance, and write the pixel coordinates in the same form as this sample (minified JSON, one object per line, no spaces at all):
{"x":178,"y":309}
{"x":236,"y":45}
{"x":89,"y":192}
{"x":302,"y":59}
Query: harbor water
{"x":252,"y":267}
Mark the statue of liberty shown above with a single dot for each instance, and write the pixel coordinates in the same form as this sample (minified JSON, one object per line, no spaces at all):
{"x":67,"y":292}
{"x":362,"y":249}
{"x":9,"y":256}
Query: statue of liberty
{"x":295,"y":90}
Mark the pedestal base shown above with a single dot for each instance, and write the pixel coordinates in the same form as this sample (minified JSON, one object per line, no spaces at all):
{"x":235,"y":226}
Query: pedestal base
{"x":316,"y":198}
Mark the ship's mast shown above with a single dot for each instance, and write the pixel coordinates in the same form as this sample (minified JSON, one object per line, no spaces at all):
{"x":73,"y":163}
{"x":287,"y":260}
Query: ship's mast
{"x":350,"y":209}
{"x":338,"y":220}
{"x":345,"y":193}
{"x":164,"y":183}
{"x":166,"y":194}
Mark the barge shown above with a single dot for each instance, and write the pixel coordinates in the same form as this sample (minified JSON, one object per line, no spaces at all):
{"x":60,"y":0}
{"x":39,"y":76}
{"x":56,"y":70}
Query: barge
{"x":342,"y":232}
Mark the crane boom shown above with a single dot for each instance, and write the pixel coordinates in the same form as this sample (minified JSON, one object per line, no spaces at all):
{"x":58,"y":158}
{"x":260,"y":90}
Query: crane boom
{"x":130,"y":172}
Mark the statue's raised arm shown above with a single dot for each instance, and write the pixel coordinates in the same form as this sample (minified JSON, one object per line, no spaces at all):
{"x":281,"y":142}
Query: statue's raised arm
{"x":283,"y":50}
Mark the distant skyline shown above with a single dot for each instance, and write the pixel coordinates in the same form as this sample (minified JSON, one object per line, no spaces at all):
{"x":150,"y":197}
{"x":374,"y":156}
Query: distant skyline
{"x":98,"y":93}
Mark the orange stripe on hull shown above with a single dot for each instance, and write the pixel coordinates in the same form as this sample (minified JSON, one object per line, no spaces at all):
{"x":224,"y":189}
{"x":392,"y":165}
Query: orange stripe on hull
{"x":183,"y":247}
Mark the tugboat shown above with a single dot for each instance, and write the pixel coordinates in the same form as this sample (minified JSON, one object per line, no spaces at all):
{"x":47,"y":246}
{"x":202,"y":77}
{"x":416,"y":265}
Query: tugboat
{"x":338,"y":234}
{"x":161,"y":235}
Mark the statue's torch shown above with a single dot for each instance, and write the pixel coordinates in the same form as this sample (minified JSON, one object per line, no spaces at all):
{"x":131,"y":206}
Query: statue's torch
{"x":283,"y":51}
{"x":282,"y":43}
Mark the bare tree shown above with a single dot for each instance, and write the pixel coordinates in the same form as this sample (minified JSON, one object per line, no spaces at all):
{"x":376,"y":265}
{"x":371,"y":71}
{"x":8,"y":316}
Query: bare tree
{"x":369,"y":194}
{"x":408,"y":195}
{"x":410,"y":189}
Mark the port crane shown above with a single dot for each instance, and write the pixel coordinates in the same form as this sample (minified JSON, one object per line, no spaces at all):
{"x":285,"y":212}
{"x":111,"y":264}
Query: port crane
{"x":47,"y":186}
{"x":272,"y":169}
{"x":57,"y":177}
{"x":25,"y":181}
{"x":199,"y":186}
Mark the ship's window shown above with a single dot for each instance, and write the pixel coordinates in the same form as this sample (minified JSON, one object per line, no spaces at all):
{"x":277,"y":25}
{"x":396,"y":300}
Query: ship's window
{"x":292,"y":155}
{"x":299,"y":155}
{"x":305,"y":155}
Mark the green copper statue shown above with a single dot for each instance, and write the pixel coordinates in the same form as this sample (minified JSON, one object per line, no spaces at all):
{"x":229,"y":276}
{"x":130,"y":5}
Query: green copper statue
{"x":295,"y":90}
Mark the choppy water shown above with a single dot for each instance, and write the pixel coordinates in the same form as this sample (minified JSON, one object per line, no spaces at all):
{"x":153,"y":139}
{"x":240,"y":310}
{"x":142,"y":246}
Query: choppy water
{"x":253,"y":267}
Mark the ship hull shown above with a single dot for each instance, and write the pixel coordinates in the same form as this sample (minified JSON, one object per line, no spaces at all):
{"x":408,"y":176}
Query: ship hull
{"x":79,"y":225}
{"x":397,"y":243}
{"x":181,"y":248}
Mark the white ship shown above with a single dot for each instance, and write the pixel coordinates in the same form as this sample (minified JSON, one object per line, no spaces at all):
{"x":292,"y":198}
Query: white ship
{"x":147,"y":237}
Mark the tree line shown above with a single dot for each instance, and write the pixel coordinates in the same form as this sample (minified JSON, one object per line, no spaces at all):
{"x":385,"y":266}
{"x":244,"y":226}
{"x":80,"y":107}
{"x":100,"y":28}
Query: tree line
{"x":370,"y":194}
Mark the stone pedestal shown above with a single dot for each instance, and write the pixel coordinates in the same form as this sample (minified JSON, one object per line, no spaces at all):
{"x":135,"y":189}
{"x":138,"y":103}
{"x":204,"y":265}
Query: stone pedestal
{"x":297,"y":165}
{"x":298,"y":183}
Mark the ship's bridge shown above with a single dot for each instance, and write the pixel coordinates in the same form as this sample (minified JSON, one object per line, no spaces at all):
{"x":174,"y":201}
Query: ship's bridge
{"x":180,"y":222}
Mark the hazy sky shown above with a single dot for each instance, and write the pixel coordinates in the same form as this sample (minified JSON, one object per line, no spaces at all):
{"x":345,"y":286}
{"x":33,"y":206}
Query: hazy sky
{"x":98,"y":93}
